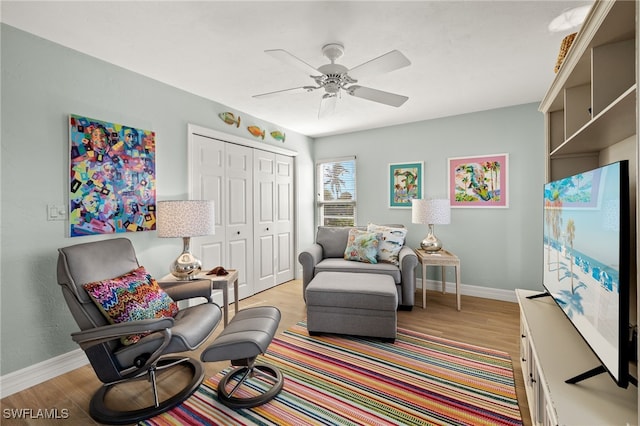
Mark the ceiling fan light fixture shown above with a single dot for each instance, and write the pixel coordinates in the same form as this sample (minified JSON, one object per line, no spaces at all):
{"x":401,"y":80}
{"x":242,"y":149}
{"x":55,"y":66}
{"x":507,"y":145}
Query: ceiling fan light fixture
{"x":327,"y":105}
{"x":332,"y":88}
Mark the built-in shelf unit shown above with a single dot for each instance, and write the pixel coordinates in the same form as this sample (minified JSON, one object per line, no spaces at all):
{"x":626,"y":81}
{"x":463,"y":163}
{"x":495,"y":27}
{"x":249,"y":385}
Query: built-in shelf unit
{"x":591,"y":119}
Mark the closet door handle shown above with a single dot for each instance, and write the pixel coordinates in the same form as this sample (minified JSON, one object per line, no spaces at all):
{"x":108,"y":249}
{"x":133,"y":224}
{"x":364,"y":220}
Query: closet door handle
{"x":238,"y":232}
{"x":267,"y":229}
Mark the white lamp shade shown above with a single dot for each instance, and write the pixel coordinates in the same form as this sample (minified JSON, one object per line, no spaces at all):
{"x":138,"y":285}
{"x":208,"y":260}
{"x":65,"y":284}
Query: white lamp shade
{"x":186,"y":218}
{"x":437,"y":212}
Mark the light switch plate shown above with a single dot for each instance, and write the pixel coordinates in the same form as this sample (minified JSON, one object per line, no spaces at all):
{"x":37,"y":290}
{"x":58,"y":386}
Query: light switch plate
{"x":56,"y":212}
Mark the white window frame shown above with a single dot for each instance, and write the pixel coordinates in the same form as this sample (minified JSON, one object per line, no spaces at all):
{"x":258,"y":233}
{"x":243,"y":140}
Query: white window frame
{"x":338,"y":220}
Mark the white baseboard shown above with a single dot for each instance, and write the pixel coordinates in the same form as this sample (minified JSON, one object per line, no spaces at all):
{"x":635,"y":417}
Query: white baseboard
{"x":41,"y":372}
{"x":471,"y":290}
{"x":45,"y":370}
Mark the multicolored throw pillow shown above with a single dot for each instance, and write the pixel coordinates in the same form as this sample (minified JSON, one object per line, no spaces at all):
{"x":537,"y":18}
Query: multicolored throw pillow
{"x":133,"y":296}
{"x":362,"y":246}
{"x":391,"y":244}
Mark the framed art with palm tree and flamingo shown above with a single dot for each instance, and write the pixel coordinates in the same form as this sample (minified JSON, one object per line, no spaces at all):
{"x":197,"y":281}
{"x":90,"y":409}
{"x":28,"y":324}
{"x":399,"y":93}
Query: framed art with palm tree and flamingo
{"x":479,"y":181}
{"x":405,"y":183}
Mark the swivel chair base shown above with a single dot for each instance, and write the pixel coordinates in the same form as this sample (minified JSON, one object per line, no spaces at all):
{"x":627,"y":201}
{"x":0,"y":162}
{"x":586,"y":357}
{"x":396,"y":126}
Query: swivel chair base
{"x":246,"y":336}
{"x":264,"y":370}
{"x":101,"y":413}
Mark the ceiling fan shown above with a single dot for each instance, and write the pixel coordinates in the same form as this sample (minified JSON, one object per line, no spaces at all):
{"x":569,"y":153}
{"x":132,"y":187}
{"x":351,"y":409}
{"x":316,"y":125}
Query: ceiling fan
{"x":335,"y":78}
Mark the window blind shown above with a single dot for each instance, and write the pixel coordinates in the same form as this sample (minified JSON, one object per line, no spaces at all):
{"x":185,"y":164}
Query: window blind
{"x":336,"y":191}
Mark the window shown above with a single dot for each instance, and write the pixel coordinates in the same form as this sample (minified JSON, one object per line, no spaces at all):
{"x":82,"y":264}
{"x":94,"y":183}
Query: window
{"x":336,"y":189}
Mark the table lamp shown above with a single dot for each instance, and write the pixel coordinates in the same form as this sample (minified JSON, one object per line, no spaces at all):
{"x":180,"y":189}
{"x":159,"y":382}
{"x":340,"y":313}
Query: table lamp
{"x":431,"y":212}
{"x":185,"y":219}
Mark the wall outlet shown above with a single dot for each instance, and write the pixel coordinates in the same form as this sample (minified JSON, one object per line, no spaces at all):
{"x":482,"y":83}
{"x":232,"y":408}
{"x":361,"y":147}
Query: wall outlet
{"x":56,"y":212}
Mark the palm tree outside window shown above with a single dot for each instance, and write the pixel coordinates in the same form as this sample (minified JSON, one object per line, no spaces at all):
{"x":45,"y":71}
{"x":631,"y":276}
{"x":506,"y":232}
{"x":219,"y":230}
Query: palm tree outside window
{"x":336,"y":191}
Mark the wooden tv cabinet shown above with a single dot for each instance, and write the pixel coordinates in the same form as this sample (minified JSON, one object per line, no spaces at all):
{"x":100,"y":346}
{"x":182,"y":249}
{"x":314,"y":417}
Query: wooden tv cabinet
{"x":552,"y":351}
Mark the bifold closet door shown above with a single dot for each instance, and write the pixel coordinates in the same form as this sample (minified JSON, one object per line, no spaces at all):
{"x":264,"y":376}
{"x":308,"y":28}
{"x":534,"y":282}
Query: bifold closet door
{"x":239,"y":215}
{"x":223,"y":172}
{"x":253,"y":194}
{"x":284,"y":264}
{"x":207,"y":183}
{"x":273,"y":219}
{"x":264,"y":211}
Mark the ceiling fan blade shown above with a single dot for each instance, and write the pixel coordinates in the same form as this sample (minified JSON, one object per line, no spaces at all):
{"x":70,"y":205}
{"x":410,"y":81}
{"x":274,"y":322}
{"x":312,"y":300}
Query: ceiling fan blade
{"x":293,"y":90}
{"x":288,"y":58}
{"x":388,"y":62}
{"x":327,"y":105}
{"x":377,"y":95}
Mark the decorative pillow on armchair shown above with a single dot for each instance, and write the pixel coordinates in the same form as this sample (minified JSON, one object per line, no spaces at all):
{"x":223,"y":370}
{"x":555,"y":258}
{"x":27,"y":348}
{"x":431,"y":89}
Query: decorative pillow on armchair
{"x":132,"y":296}
{"x":362,"y":246}
{"x":391,"y":244}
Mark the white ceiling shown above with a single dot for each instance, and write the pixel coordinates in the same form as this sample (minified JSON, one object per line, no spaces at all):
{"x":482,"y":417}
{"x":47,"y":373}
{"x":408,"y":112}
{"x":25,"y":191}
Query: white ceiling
{"x":466,"y":55}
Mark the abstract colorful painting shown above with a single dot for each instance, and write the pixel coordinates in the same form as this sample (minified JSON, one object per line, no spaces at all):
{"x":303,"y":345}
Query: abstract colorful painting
{"x":478,"y":181}
{"x":405,"y":183}
{"x":112,"y":181}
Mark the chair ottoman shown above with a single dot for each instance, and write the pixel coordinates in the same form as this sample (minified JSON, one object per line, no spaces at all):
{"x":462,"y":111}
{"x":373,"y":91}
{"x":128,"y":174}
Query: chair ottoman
{"x":358,"y":304}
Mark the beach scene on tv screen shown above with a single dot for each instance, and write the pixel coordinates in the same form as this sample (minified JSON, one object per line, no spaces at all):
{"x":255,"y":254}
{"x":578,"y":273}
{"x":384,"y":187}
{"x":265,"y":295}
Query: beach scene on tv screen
{"x":581,"y":255}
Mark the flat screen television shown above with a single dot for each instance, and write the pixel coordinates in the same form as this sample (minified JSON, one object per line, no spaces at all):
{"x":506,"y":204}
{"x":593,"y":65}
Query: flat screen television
{"x":587,"y":262}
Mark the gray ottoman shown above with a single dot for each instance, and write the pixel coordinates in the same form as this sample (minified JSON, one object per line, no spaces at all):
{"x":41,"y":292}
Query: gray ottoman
{"x":247,"y":335}
{"x":352,"y":303}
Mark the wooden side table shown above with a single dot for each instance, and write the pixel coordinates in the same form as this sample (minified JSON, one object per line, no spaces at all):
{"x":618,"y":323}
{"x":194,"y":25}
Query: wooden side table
{"x":222,"y":282}
{"x":440,"y":258}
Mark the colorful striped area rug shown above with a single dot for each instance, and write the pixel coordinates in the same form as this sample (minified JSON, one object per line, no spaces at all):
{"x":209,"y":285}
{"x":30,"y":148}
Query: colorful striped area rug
{"x":338,"y":380}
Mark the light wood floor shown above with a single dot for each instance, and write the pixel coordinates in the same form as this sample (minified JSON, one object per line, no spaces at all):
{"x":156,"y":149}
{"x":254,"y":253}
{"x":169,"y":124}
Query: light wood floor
{"x":484,"y":322}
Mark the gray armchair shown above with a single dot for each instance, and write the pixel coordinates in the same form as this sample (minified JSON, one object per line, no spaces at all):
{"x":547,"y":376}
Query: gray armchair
{"x":327,"y":254}
{"x":114,"y":362}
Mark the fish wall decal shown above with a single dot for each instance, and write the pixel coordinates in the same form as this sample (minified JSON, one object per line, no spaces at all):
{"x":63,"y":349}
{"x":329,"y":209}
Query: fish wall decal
{"x":229,"y":118}
{"x":256,"y":131}
{"x":278,"y":135}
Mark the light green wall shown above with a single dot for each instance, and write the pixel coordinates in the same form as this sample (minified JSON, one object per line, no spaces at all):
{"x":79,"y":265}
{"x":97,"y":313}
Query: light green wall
{"x":42,"y":83}
{"x":498,"y":248}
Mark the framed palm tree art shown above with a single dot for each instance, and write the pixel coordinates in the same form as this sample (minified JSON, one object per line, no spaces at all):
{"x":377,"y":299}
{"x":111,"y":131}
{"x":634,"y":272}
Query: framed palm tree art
{"x":405,"y":183}
{"x":479,"y":181}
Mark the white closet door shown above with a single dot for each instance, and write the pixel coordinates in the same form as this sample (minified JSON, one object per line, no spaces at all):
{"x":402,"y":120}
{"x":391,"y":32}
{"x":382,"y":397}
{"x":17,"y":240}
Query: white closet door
{"x":239,"y":215}
{"x":207,"y":183}
{"x":284,"y":263}
{"x":253,"y":193}
{"x":264,"y":208}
